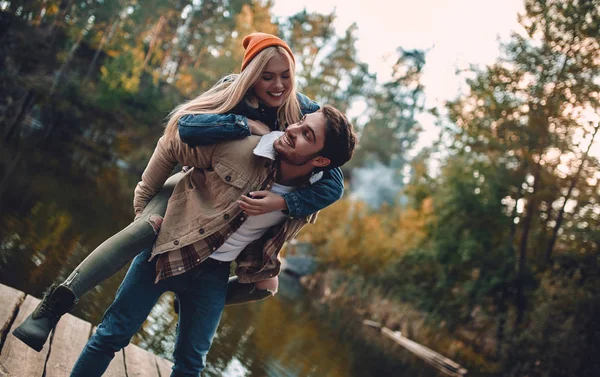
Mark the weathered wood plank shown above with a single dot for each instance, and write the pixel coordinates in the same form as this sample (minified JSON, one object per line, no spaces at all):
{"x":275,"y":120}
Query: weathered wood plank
{"x":164,"y":366}
{"x":70,"y":335}
{"x":10,"y":299}
{"x":117,"y":365}
{"x":18,"y":359}
{"x":68,"y":339}
{"x":139,"y":362}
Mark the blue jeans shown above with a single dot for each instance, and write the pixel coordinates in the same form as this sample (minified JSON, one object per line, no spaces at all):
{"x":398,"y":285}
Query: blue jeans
{"x":201,"y":293}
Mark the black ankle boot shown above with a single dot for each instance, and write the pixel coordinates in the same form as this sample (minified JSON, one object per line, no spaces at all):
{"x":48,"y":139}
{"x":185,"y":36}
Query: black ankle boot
{"x":35,"y":329}
{"x":241,"y":293}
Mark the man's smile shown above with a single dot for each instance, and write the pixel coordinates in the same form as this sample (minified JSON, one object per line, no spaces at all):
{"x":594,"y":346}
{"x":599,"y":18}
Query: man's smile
{"x":286,"y":140}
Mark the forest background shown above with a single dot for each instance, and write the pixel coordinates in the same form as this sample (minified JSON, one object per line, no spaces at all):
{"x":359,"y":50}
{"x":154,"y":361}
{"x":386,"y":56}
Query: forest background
{"x":493,"y":228}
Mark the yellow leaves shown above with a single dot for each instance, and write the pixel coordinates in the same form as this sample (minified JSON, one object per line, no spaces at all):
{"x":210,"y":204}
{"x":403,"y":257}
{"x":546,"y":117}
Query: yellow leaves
{"x":350,"y":236}
{"x":50,"y":217}
{"x":51,"y":9}
{"x":124,"y":71}
{"x":255,"y":17}
{"x":329,"y":220}
{"x":187,"y":83}
{"x":113,"y":53}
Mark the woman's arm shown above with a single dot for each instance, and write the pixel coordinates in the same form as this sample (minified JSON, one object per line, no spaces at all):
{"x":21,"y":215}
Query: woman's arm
{"x":208,"y":129}
{"x":300,"y":203}
{"x":324,"y":192}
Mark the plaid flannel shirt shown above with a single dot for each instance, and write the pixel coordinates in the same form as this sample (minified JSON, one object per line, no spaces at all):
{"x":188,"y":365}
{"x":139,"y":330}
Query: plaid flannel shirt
{"x":259,"y":259}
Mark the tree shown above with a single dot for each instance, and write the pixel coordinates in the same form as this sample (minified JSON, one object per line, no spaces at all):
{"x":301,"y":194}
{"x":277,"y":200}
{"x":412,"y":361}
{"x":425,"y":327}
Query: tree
{"x":527,"y":114}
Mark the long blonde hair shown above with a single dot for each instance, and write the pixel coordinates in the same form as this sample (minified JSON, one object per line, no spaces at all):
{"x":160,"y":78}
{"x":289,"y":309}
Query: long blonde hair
{"x":226,"y":94}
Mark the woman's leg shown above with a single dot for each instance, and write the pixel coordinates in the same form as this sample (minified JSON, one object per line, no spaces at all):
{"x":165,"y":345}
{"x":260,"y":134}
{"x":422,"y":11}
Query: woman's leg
{"x":244,"y":293}
{"x":241,"y":293}
{"x":114,"y":253}
{"x":133,"y":302}
{"x":102,"y":263}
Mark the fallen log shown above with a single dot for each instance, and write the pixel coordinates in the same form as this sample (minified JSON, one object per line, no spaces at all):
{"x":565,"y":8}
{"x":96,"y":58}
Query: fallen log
{"x":431,"y":357}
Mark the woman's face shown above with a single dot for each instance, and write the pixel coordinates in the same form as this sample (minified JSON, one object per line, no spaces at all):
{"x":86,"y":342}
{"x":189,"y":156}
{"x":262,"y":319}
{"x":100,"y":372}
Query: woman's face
{"x":275,"y":82}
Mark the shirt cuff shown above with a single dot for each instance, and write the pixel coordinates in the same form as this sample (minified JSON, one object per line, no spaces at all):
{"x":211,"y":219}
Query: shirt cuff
{"x":292,"y":204}
{"x":242,"y":123}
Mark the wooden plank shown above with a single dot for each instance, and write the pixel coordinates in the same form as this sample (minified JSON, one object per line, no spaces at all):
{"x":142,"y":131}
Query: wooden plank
{"x":69,"y":337}
{"x":139,"y":362}
{"x":10,"y":300}
{"x":164,"y":366}
{"x":117,"y":365}
{"x":18,"y":359}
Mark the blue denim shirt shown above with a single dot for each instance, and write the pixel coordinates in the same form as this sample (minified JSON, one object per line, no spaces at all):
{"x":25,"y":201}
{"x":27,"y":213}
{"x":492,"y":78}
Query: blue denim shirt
{"x":206,"y":129}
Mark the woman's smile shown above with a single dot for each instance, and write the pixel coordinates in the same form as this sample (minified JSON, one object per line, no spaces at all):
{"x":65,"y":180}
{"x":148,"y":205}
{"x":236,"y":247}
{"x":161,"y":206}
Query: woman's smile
{"x":275,"y":83}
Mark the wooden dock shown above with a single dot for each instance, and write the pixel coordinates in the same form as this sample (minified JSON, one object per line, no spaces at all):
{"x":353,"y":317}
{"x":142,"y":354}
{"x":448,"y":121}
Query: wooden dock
{"x":66,"y":342}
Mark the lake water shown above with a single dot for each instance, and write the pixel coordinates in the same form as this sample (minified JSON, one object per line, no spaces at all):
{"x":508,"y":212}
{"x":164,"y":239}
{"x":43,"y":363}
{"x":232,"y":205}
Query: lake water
{"x":48,"y":224}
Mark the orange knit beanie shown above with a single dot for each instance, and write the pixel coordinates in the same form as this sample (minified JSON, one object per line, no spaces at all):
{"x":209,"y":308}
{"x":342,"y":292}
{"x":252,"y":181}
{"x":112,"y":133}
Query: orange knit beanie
{"x":256,"y":42}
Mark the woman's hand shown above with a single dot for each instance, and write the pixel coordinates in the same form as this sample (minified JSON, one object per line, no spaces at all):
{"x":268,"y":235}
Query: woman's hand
{"x":258,"y":128}
{"x":260,"y":202}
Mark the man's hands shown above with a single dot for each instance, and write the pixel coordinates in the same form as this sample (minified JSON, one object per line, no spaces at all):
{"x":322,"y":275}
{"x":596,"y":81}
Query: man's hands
{"x":262,"y":202}
{"x":258,"y":128}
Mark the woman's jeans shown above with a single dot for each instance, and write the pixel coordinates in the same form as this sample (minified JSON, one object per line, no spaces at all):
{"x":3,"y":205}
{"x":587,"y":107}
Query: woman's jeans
{"x":201,"y":293}
{"x":118,"y":250}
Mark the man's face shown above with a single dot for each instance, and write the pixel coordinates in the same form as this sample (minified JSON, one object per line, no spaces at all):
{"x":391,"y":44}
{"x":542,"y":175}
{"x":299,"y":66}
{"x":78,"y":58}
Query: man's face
{"x":303,"y":141}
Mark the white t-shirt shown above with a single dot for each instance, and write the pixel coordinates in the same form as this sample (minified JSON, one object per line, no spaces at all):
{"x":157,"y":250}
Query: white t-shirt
{"x":252,"y":229}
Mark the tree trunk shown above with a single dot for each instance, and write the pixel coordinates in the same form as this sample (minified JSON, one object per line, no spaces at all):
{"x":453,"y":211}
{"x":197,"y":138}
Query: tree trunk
{"x":26,"y":105}
{"x":53,"y":29}
{"x":44,"y":141}
{"x":530,"y":210}
{"x":502,"y":305}
{"x":500,"y":329}
{"x":8,"y":173}
{"x":105,"y":39}
{"x":155,"y":39}
{"x":559,"y":218}
{"x":61,"y":71}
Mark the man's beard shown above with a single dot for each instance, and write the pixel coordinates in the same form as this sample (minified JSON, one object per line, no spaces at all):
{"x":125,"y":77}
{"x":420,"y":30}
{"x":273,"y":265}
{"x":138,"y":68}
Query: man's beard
{"x":293,"y":162}
{"x":298,"y":161}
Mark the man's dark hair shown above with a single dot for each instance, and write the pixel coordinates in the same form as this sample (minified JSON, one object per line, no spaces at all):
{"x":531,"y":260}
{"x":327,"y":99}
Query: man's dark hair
{"x":340,"y":138}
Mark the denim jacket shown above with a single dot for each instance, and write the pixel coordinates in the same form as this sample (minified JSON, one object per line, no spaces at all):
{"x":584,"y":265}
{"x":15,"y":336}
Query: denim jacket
{"x":207,"y":129}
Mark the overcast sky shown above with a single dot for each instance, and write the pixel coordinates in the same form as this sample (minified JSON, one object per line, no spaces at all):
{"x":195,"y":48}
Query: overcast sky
{"x":457,"y":33}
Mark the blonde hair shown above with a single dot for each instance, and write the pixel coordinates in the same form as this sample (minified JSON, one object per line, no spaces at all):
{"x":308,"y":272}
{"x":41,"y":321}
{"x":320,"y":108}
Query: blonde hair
{"x":226,"y":94}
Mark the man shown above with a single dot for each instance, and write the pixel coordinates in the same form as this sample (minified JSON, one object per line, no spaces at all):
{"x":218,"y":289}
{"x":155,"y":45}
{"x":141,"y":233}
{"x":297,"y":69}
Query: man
{"x":204,"y":229}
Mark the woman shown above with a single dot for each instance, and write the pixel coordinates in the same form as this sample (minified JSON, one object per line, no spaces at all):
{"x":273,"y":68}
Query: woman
{"x":263,"y":91}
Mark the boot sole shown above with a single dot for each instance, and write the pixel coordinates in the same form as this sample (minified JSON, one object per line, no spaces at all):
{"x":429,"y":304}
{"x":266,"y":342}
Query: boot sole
{"x":31,"y":343}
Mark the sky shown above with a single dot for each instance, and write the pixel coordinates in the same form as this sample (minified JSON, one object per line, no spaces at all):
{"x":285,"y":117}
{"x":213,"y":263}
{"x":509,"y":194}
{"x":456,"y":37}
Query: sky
{"x":456,"y":33}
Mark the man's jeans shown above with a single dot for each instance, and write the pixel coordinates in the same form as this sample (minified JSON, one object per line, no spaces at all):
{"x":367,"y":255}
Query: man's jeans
{"x":201,"y":293}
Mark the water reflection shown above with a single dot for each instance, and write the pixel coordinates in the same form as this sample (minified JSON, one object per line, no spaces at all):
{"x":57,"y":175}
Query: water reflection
{"x":43,"y":238}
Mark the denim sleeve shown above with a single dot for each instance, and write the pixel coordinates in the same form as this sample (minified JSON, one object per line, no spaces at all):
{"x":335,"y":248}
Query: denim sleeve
{"x":307,"y":106}
{"x":322,"y":193}
{"x":209,"y":129}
